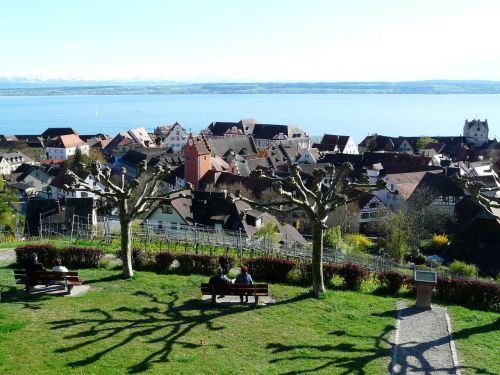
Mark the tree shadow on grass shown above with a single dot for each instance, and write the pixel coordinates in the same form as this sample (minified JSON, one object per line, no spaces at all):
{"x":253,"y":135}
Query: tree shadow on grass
{"x":162,"y":322}
{"x":334,"y":356}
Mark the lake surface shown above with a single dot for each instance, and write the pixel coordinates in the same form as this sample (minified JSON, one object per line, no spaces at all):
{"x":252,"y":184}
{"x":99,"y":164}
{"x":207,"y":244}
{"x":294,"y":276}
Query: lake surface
{"x":355,"y":114}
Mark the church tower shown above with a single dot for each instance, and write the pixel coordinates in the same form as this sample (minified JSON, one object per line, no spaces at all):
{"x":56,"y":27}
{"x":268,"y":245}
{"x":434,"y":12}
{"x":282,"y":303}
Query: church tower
{"x":197,"y":156}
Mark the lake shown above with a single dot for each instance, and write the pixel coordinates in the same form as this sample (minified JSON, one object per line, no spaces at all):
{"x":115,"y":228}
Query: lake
{"x":352,"y":114}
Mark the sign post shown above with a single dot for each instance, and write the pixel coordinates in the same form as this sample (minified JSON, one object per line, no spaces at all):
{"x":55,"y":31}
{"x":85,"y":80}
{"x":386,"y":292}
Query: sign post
{"x":424,"y":281}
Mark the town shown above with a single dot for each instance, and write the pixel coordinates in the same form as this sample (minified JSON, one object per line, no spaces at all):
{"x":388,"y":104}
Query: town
{"x":445,"y":186}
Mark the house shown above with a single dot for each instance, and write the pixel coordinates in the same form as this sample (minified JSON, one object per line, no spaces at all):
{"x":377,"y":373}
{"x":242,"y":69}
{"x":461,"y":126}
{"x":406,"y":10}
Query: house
{"x":172,"y":215}
{"x":310,"y":156}
{"x":35,"y":179}
{"x":141,"y":136}
{"x":57,"y":215}
{"x":11,"y":160}
{"x":443,"y":194}
{"x":337,"y":143}
{"x":57,"y":132}
{"x":152,"y":156}
{"x":267,"y":135}
{"x":176,"y":179}
{"x":221,"y":129}
{"x":475,"y":237}
{"x":213,"y":209}
{"x":476,"y":132}
{"x":64,"y":146}
{"x":173,"y":136}
{"x":59,"y":190}
{"x":401,"y":187}
{"x":377,"y":143}
{"x":361,"y":215}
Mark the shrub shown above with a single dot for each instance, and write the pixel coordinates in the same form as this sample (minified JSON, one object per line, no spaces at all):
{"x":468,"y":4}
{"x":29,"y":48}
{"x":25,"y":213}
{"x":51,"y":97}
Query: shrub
{"x":391,"y":280}
{"x":226,"y":262}
{"x":46,"y":253}
{"x":472,"y":293}
{"x":136,"y":257}
{"x":270,"y":269}
{"x":80,"y":257}
{"x":303,"y":273}
{"x":196,"y":263}
{"x":163,"y":261}
{"x":333,"y":237}
{"x":459,"y":268}
{"x":353,"y":275}
{"x":72,"y":256}
{"x":359,"y":241}
{"x":440,"y":240}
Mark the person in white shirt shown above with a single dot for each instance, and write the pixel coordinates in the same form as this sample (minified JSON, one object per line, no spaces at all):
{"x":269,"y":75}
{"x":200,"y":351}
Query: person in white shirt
{"x":59,"y":267}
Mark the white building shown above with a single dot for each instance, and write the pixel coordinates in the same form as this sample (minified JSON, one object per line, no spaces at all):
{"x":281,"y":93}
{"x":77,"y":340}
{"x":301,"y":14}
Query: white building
{"x":175,"y":137}
{"x":476,"y":132}
{"x":12,"y":160}
{"x":64,"y":146}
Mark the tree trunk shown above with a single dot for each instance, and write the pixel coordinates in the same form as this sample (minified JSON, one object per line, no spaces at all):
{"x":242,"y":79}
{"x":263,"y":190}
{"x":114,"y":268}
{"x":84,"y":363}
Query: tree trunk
{"x":317,"y":260}
{"x":126,"y":241}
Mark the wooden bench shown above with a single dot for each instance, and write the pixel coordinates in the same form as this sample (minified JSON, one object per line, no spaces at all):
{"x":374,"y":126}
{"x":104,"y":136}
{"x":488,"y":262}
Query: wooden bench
{"x":256,"y":290}
{"x":70,"y":279}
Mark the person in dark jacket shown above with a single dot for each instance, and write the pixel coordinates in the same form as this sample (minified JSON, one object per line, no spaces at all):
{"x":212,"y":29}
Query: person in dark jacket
{"x":243,"y":278}
{"x":33,"y":265}
{"x":219,"y":278}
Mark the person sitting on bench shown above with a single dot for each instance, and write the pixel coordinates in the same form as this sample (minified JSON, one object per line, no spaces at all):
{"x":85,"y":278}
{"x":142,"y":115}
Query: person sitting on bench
{"x":59,"y":267}
{"x":243,"y":278}
{"x":219,"y":278}
{"x":33,"y":265}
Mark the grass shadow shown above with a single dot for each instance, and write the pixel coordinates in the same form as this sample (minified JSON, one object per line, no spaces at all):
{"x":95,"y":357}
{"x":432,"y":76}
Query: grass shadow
{"x":165,"y":321}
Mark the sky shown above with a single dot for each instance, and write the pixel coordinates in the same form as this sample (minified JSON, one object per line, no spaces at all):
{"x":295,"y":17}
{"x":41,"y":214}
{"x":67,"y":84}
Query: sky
{"x":255,"y":40}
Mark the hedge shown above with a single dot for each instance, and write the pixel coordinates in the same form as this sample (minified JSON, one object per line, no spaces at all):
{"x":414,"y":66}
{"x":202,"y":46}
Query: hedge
{"x":353,"y":275}
{"x":391,"y":281}
{"x":472,"y":293}
{"x":270,"y":269}
{"x":71,"y":256}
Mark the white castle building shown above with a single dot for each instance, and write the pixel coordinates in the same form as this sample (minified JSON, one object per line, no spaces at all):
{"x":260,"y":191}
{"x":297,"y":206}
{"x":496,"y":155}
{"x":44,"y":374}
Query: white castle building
{"x":476,"y":132}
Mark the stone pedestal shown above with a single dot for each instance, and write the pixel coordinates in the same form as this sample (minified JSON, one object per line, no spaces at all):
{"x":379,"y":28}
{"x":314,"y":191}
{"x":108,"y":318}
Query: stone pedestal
{"x":424,"y":295}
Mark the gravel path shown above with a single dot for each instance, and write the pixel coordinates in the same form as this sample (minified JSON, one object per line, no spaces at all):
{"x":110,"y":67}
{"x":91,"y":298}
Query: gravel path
{"x":7,"y":255}
{"x":423,"y":344}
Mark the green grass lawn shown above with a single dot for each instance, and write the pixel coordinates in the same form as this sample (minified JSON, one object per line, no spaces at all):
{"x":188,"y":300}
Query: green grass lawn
{"x":477,"y":338}
{"x":157,"y":324}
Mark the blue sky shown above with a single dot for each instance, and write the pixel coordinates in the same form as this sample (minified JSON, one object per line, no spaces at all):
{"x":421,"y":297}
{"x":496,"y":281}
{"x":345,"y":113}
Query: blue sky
{"x":258,"y":40}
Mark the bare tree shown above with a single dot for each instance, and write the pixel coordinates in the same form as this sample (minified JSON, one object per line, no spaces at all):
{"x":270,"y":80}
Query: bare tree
{"x":135,"y":198}
{"x":316,"y":201}
{"x":486,"y":197}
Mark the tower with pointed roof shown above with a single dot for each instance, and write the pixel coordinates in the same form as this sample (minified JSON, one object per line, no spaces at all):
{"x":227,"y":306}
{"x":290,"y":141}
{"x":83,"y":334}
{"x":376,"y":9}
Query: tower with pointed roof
{"x":198,"y":159}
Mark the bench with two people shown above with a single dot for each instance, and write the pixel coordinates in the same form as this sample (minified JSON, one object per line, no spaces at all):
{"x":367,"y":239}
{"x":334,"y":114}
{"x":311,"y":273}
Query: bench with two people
{"x":35,"y":274}
{"x":243,"y":286}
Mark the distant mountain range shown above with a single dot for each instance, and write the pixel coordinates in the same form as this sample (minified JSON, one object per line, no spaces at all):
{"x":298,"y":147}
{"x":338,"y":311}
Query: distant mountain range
{"x":18,"y":87}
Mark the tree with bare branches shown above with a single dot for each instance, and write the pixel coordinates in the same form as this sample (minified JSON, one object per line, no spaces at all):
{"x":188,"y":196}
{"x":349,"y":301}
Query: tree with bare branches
{"x":133,"y":199}
{"x":329,"y":189}
{"x":486,"y":197}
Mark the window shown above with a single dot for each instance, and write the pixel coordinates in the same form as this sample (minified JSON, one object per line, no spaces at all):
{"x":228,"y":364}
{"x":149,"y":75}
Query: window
{"x":84,"y":194}
{"x":365,"y":215}
{"x":167,"y":209}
